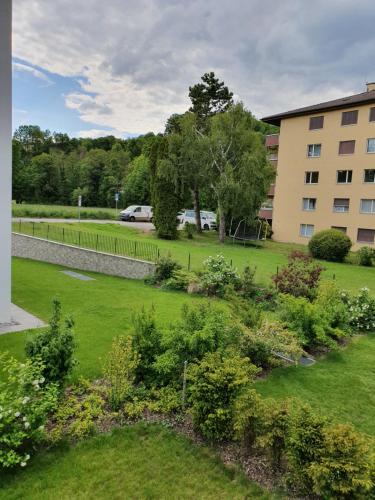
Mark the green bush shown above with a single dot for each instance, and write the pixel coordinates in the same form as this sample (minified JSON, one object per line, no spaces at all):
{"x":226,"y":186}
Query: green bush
{"x":330,"y":300}
{"x":120,"y":371}
{"x":343,"y":469}
{"x":264,"y":343}
{"x":217,"y":275}
{"x":189,"y":230}
{"x":25,"y":402}
{"x":248,"y":418}
{"x":216,"y":382}
{"x":180,"y":280}
{"x":361,"y":309}
{"x":330,"y":244}
{"x":54,"y":347}
{"x":300,"y":277}
{"x":165,"y":268}
{"x":247,"y":282}
{"x":366,"y":256}
{"x":244,"y":310}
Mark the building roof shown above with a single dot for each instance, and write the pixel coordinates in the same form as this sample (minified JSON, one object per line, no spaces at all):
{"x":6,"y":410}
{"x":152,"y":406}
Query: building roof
{"x":344,"y":102}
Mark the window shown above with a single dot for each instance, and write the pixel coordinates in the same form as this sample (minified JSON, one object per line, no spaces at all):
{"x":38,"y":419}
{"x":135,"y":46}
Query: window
{"x":370,"y":174}
{"x":366,"y":235}
{"x":190,"y":213}
{"x":372,"y":115}
{"x":346,"y":147}
{"x":349,"y":117}
{"x":311,"y":177}
{"x":138,"y":209}
{"x":371,"y":145}
{"x":309,"y":204}
{"x":341,"y":205}
{"x":339,"y":228}
{"x":313,"y":150}
{"x":368,"y":206}
{"x":316,"y":122}
{"x":306,"y":230}
{"x":344,"y":176}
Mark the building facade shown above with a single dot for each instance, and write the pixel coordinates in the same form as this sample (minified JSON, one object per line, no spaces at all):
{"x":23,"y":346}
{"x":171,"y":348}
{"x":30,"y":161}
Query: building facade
{"x":325,"y":159}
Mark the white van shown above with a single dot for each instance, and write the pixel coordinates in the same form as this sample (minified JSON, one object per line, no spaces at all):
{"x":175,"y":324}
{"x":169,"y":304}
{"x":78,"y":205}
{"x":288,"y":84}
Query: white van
{"x":137,"y":213}
{"x":208,"y":219}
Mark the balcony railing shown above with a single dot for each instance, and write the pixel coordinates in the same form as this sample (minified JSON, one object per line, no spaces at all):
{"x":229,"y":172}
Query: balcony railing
{"x":272,"y":140}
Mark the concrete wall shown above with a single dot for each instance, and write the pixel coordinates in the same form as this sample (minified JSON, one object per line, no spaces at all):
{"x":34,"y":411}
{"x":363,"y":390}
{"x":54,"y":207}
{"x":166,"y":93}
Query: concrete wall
{"x":30,"y":247}
{"x":293,"y":162}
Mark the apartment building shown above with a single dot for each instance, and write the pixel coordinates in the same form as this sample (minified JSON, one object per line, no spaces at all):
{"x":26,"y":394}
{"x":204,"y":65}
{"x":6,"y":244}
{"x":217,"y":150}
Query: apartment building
{"x":325,"y":159}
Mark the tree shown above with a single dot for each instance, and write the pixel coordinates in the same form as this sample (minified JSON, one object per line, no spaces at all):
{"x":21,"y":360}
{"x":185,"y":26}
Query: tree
{"x":45,"y":177}
{"x":137,"y":183}
{"x":238,"y":170}
{"x":208,"y":99}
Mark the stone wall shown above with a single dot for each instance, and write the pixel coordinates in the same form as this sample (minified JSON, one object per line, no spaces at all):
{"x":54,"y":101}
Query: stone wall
{"x":30,"y":247}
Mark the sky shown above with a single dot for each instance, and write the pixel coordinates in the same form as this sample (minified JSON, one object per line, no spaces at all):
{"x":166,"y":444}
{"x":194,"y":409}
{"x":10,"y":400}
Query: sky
{"x":121,"y":67}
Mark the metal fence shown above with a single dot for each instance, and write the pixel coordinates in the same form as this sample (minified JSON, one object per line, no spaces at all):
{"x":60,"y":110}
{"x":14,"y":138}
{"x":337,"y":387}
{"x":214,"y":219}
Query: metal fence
{"x":92,"y":241}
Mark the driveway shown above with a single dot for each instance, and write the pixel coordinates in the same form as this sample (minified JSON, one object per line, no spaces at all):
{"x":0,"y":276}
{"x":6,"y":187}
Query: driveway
{"x":143,"y":226}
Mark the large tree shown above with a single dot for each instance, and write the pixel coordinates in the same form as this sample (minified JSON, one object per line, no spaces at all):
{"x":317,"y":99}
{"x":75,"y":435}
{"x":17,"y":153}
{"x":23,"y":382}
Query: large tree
{"x":238,"y":170}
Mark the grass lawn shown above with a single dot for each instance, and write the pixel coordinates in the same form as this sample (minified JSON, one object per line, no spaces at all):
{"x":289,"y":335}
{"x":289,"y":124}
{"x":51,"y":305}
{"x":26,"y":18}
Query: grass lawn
{"x":266,"y":258}
{"x":61,"y":211}
{"x":102,"y":309}
{"x":341,"y":386}
{"x":139,"y":462}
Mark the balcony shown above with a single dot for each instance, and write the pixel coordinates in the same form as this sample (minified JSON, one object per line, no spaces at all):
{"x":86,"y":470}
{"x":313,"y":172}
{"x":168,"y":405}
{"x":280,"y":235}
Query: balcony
{"x":271,"y":192}
{"x":272,"y":140}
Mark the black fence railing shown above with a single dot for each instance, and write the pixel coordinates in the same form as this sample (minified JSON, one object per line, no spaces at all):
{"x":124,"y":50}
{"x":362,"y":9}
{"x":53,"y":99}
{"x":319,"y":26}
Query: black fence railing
{"x":91,"y":241}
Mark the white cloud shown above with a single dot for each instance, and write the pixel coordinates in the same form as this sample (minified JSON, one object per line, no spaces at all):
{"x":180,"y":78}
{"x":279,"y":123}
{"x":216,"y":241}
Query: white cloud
{"x":19,"y":67}
{"x":94,"y":133}
{"x":136,"y":59}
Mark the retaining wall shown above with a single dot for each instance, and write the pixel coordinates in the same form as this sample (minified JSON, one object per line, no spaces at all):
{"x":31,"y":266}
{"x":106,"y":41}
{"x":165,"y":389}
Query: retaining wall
{"x":30,"y":247}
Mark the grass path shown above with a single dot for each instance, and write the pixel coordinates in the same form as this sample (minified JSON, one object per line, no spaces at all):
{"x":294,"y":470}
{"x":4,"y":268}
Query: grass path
{"x":139,"y":462}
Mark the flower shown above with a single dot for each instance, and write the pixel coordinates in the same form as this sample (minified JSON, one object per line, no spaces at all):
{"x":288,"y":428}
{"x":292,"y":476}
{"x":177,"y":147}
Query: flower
{"x":23,"y":464}
{"x":27,"y":425}
{"x":17,"y":414}
{"x":25,"y":400}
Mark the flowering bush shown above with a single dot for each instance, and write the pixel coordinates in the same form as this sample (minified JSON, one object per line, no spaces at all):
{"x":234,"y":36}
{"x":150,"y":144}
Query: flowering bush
{"x":25,"y":401}
{"x":361,"y":309}
{"x":218,"y":274}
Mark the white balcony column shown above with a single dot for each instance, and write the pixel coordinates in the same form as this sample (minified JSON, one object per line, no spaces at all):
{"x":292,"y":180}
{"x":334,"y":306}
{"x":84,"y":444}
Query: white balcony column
{"x":5,"y":158}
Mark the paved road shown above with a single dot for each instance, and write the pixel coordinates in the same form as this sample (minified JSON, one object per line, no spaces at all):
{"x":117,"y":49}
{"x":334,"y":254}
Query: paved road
{"x":144,"y":226}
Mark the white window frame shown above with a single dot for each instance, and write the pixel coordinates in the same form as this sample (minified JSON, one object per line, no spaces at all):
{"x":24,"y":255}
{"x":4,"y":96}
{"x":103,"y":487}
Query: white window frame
{"x":313,"y":146}
{"x":347,"y":174}
{"x":344,"y":211}
{"x":308,"y":208}
{"x":372,"y":211}
{"x":303,"y":230}
{"x":367,"y":145}
{"x":310,"y":175}
{"x":364,"y":176}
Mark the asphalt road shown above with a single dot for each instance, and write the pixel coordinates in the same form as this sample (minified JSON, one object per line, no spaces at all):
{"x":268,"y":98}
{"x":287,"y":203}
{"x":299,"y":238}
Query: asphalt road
{"x":144,"y":226}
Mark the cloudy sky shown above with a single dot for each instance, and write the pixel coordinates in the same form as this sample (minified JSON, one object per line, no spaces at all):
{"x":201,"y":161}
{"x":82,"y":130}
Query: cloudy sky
{"x":94,"y":67}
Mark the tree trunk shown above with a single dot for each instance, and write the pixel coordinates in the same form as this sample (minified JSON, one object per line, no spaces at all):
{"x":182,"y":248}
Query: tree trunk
{"x":221,"y":226}
{"x":197,"y":209}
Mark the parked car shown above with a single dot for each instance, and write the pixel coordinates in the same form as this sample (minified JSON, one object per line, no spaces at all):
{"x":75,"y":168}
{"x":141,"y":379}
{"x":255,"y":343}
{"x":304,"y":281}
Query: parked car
{"x":137,"y":213}
{"x":208,"y":219}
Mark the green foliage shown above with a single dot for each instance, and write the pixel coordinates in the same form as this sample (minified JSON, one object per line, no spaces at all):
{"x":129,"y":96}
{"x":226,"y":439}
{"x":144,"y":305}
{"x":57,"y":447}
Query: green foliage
{"x":78,"y":414}
{"x":189,"y":230}
{"x":215,"y":384}
{"x":165,"y":268}
{"x":25,"y":402}
{"x":180,"y":280}
{"x":217,"y":275}
{"x":366,"y":256}
{"x":310,"y":321}
{"x":120,"y":371}
{"x":248,"y":414}
{"x":361,"y":309}
{"x":344,"y":467}
{"x":244,"y":310}
{"x":54,"y":347}
{"x":137,"y":182}
{"x":202,"y":329}
{"x":330,"y":244}
{"x":262,"y":344}
{"x":300,"y":277}
{"x":330,"y":300}
{"x":165,"y":400}
{"x":247,"y":282}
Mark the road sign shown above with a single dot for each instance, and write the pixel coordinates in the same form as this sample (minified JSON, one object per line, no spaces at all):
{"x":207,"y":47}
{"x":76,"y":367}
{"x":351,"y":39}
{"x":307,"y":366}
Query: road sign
{"x":117,"y":196}
{"x":80,"y":201}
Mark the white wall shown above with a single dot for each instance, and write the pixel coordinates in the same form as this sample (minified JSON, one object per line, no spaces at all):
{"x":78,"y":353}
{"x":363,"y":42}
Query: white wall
{"x":5,"y":157}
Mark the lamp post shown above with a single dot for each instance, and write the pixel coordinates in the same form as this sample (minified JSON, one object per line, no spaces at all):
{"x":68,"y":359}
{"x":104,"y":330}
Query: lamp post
{"x":5,"y":158}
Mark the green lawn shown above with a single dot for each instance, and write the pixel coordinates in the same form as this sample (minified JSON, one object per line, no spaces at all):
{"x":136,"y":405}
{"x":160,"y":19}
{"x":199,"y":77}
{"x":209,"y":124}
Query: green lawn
{"x":139,"y":462}
{"x":101,"y":309}
{"x":265,"y":258}
{"x":341,"y":386}
{"x":61,"y":211}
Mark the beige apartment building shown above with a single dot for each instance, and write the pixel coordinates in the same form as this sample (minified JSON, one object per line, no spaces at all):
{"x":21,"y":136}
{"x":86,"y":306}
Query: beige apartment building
{"x":325,"y":159}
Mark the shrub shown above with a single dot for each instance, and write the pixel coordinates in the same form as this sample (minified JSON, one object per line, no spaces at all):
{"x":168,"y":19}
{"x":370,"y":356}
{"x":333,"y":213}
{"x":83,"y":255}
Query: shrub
{"x":165,"y":400}
{"x":217,"y":275}
{"x":180,"y":280}
{"x":119,"y":370}
{"x":361,"y":309}
{"x":330,"y":244}
{"x":146,"y":342}
{"x":330,"y":300}
{"x":25,"y":401}
{"x":215,"y":384}
{"x":244,"y":310}
{"x":264,"y":344}
{"x":309,"y":321}
{"x":343,"y":468}
{"x":366,"y":256}
{"x":202,"y":329}
{"x":165,"y":268}
{"x":189,"y":230}
{"x":54,"y":347}
{"x":248,"y":413}
{"x":247,"y":282}
{"x":300,"y":277}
